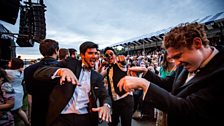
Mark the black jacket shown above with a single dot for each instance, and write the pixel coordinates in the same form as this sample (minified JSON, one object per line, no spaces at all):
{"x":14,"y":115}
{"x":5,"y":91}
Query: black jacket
{"x":40,"y":91}
{"x":198,"y":102}
{"x":61,"y":94}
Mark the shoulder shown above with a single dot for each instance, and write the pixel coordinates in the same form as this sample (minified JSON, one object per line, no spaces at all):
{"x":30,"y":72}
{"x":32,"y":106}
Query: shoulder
{"x":218,"y":59}
{"x":33,"y":66}
{"x":70,"y":62}
{"x":9,"y":71}
{"x":96,"y":74}
{"x":7,"y":87}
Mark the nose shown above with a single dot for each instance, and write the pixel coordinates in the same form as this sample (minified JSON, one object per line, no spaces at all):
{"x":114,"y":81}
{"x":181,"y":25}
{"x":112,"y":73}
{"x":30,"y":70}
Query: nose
{"x":93,"y":54}
{"x":177,"y":62}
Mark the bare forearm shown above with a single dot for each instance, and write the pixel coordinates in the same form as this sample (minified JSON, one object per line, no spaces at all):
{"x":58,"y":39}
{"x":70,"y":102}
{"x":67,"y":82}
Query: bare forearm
{"x":8,"y":105}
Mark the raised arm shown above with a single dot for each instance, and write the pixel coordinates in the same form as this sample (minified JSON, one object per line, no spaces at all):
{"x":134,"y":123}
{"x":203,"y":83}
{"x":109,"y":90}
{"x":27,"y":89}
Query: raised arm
{"x":48,"y":73}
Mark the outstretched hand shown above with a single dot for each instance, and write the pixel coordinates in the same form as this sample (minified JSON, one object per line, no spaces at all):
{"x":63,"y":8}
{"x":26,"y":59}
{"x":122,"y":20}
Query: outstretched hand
{"x":129,"y":83}
{"x":132,"y":71}
{"x":138,"y":69}
{"x":67,"y":75}
{"x":103,"y":112}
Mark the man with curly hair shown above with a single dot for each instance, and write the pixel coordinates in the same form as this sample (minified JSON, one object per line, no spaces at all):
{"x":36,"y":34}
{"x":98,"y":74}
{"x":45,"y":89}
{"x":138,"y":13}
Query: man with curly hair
{"x":191,"y":96}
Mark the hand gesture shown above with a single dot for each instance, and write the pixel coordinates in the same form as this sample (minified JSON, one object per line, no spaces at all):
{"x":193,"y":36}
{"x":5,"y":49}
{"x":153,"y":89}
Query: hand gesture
{"x":129,"y":83}
{"x":137,"y":69}
{"x":121,"y":59}
{"x":67,"y":74}
{"x":104,"y":113}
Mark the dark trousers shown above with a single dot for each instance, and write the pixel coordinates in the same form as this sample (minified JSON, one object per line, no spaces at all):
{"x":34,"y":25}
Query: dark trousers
{"x":123,"y":109}
{"x":73,"y":120}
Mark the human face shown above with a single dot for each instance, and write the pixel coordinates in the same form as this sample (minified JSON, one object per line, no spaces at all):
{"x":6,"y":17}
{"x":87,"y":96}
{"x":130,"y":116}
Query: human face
{"x":89,"y":58}
{"x":10,"y":64}
{"x":110,"y":56}
{"x":98,"y":55}
{"x":191,"y":59}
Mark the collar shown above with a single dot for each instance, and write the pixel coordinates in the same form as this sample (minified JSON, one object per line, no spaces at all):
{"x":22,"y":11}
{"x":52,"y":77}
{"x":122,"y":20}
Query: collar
{"x":214,"y":52}
{"x":48,"y":59}
{"x":84,"y":67}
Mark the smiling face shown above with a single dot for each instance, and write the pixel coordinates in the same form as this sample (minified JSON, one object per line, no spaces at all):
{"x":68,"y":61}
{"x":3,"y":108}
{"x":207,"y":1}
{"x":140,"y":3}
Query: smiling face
{"x":89,"y":57}
{"x":110,"y":56}
{"x":191,"y":59}
{"x":188,"y":45}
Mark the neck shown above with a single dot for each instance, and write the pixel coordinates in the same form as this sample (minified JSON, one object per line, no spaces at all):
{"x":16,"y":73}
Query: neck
{"x":86,"y":65}
{"x":54,"y":56}
{"x":207,"y":52}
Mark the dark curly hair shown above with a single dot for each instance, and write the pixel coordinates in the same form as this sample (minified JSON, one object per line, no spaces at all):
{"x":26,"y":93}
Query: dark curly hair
{"x":183,"y":35}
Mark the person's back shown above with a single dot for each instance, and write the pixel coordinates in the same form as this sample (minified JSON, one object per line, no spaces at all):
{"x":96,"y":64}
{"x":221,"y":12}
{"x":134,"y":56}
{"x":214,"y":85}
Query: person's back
{"x":16,"y":83}
{"x":15,"y":72}
{"x":38,"y":91}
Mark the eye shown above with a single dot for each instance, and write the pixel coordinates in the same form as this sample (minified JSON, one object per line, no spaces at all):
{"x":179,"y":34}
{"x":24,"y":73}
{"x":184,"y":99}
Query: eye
{"x":177,"y":56}
{"x":106,"y":55}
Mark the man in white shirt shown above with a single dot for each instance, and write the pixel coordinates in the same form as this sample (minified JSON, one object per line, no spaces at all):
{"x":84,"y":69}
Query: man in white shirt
{"x":75,"y":103}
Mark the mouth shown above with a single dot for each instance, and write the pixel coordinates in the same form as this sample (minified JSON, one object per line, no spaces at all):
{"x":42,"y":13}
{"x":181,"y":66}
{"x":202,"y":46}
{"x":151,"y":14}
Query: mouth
{"x":92,"y":61}
{"x":189,"y":68}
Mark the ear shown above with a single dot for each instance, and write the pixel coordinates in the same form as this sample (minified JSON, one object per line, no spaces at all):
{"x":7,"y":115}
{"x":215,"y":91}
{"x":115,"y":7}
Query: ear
{"x":82,"y":55}
{"x":56,"y":52}
{"x":197,"y":42}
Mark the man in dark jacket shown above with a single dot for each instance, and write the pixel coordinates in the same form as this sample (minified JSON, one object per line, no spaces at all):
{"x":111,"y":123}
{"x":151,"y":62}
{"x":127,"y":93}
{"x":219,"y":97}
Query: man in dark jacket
{"x":122,"y":102}
{"x":38,"y":90}
{"x":193,"y":96}
{"x":76,"y":104}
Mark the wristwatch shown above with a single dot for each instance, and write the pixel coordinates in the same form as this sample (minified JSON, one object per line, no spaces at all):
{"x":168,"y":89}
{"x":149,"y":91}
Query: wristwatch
{"x":105,"y":104}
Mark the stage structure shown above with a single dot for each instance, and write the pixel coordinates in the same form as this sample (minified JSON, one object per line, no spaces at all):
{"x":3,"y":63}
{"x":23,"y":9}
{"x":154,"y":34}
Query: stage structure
{"x":214,"y":27}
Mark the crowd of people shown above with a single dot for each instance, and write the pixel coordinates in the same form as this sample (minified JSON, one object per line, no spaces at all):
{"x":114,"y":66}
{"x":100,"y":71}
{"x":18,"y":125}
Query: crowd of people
{"x":182,"y":82}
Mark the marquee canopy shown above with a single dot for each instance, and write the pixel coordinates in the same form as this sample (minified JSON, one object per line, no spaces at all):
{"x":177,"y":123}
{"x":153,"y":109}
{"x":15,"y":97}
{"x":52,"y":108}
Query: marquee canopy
{"x":211,"y":22}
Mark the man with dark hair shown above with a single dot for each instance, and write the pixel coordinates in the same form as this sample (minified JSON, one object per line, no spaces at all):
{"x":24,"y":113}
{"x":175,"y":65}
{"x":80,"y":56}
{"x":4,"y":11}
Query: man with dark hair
{"x":75,"y":104}
{"x":122,"y":101}
{"x":109,"y":48}
{"x":72,"y":52}
{"x":38,"y":90}
{"x":63,"y":54}
{"x":192,"y":96}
